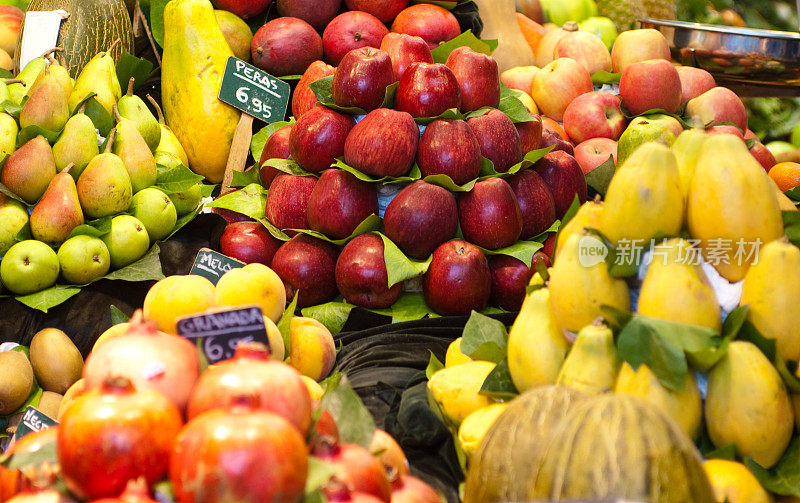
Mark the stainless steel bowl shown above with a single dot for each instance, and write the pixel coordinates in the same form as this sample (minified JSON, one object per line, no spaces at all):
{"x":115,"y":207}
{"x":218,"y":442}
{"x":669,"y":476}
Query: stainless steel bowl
{"x":737,"y":55}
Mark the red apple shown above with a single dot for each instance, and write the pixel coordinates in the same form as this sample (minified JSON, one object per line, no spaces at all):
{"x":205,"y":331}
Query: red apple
{"x":249,"y":242}
{"x":519,"y":78}
{"x":427,"y":90}
{"x":351,"y":30}
{"x":361,"y":78}
{"x":318,"y":138}
{"x":307,"y":265}
{"x":458,"y":280}
{"x":433,"y":23}
{"x":510,"y":278}
{"x":549,"y":248}
{"x":339,"y":202}
{"x":408,"y":489}
{"x":633,"y":46}
{"x":420,"y":218}
{"x":317,"y":13}
{"x":384,"y":143}
{"x":304,"y":98}
{"x":694,"y":82}
{"x":243,"y":8}
{"x":650,"y":84}
{"x":557,"y":84}
{"x":286,"y":46}
{"x":405,"y":49}
{"x":385,"y":10}
{"x":536,"y":204}
{"x":585,"y":48}
{"x":564,"y":177}
{"x":449,"y":147}
{"x":361,"y":274}
{"x":725,"y":129}
{"x":762,"y":155}
{"x":477,"y":76}
{"x":592,"y":153}
{"x":550,"y":137}
{"x":498,"y":138}
{"x":542,"y":257}
{"x":277,"y":147}
{"x":594,"y":115}
{"x":716,"y":105}
{"x":489,"y":214}
{"x":287,"y":201}
{"x":530,"y":134}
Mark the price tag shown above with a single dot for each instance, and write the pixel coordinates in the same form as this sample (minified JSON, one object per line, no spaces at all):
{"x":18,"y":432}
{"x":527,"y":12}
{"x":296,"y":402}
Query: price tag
{"x":212,"y":265}
{"x":40,"y":34}
{"x":220,"y":331}
{"x":254,"y":92}
{"x":32,"y":420}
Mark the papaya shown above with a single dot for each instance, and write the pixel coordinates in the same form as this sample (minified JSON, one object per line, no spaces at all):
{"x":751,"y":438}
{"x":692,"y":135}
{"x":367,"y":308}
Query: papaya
{"x":747,"y":405}
{"x":687,"y":149}
{"x":195,"y":53}
{"x":593,"y":363}
{"x":732,"y":208}
{"x":588,"y":215}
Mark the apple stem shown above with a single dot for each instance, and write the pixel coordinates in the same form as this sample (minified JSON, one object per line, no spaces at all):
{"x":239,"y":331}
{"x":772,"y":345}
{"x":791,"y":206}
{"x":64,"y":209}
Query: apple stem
{"x":358,"y":36}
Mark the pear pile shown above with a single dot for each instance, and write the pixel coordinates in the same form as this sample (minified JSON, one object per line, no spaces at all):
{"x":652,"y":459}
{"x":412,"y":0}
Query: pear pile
{"x":52,"y":188}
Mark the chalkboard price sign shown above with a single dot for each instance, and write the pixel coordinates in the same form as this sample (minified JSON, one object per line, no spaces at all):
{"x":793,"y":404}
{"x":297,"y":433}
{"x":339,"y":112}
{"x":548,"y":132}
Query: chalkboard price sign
{"x":254,"y":92}
{"x":212,"y":265}
{"x":220,"y":331}
{"x":32,"y":420}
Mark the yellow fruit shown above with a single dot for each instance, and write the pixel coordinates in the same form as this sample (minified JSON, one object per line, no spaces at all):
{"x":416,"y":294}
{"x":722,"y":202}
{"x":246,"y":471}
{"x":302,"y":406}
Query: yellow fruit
{"x":732,"y":207}
{"x":252,"y":284}
{"x":313,"y":352}
{"x":536,"y":348}
{"x":685,"y":407}
{"x":644,"y":198}
{"x":592,"y":364}
{"x":687,"y":149}
{"x":314,"y":389}
{"x":113,"y":331}
{"x":475,"y":426}
{"x":784,"y":202}
{"x":74,"y":391}
{"x":733,"y":483}
{"x":454,"y":356}
{"x":579,"y":286}
{"x":747,"y":405}
{"x":454,"y":391}
{"x":177,"y":296}
{"x":277,"y":350}
{"x":675,"y":287}
{"x":588,"y":215}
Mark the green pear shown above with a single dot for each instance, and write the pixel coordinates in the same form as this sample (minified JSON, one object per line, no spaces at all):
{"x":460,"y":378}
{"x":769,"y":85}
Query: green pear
{"x":135,"y":154}
{"x":58,"y":211}
{"x":169,"y":142}
{"x":133,"y":108}
{"x":57,"y":73}
{"x":156,"y":211}
{"x":29,"y":266}
{"x":77,"y":145}
{"x":46,"y":107}
{"x":186,"y":201}
{"x":27,"y":76}
{"x":83,"y":259}
{"x":104,"y":187}
{"x":8,"y":134}
{"x":98,"y":76}
{"x":13,"y":217}
{"x":28,"y":171}
{"x":127,"y":242}
{"x":640,"y":132}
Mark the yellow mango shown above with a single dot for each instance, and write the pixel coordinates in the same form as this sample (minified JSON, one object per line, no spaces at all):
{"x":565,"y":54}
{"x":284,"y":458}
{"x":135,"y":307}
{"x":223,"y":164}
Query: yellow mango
{"x":732,"y":207}
{"x":588,"y":215}
{"x":195,"y":53}
{"x":475,"y":426}
{"x":454,"y":356}
{"x":454,"y":391}
{"x":593,"y":363}
{"x":734,"y":483}
{"x":687,"y":149}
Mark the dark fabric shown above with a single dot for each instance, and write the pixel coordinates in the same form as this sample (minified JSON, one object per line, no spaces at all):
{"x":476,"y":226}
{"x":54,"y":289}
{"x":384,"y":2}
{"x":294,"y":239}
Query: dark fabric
{"x":468,"y":17}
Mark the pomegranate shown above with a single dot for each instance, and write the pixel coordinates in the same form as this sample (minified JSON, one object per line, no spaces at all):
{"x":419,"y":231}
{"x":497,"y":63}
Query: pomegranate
{"x":242,"y":454}
{"x":408,"y":489}
{"x":325,"y":430}
{"x":14,"y":481}
{"x":114,"y":434}
{"x":135,"y":492}
{"x":47,"y":496}
{"x":389,"y":453}
{"x":336,"y":492}
{"x":148,"y":358}
{"x":358,"y":470}
{"x":279,"y":386}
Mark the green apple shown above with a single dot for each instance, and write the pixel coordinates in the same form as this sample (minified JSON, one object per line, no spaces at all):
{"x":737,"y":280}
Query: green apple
{"x":795,"y":138}
{"x":186,"y":201}
{"x":127,"y":241}
{"x":561,"y":11}
{"x":29,"y":266}
{"x":602,"y":27}
{"x":779,"y":147}
{"x":83,"y":259}
{"x":156,"y":211}
{"x":639,"y":133}
{"x":13,"y":217}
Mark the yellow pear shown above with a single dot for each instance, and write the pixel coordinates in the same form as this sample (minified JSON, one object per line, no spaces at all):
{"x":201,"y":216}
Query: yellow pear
{"x":98,"y":76}
{"x":732,"y":208}
{"x":644,"y":198}
{"x":168,"y":144}
{"x":8,"y":134}
{"x":588,"y":215}
{"x":687,"y":149}
{"x":733,"y":482}
{"x":592,"y":363}
{"x":675,"y":287}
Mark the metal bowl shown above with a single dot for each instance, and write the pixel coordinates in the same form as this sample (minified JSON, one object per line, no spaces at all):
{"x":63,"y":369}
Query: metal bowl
{"x":742,"y":55}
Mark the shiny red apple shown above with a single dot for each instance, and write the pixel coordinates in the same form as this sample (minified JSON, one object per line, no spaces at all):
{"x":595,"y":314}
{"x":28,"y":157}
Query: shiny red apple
{"x":285,"y":46}
{"x":249,"y":242}
{"x":318,"y":138}
{"x":287,"y":201}
{"x":650,"y":84}
{"x":427,"y":90}
{"x":433,"y":23}
{"x":405,"y":49}
{"x":458,"y":280}
{"x":694,"y":82}
{"x":564,"y":177}
{"x":477,"y":76}
{"x":384,"y":143}
{"x":277,"y":147}
{"x":339,"y":202}
{"x":304,"y":98}
{"x":594,"y":115}
{"x":385,"y":10}
{"x":498,"y":138}
{"x":592,"y":153}
{"x":307,"y":265}
{"x":535,"y":203}
{"x":351,"y":30}
{"x":489,"y":214}
{"x":530,"y":134}
{"x":510,"y":278}
{"x":317,"y":13}
{"x":361,"y":78}
{"x":449,"y":147}
{"x":361,"y":274}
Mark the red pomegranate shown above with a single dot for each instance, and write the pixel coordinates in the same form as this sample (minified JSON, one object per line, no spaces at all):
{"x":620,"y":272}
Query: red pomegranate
{"x":279,"y":386}
{"x":358,"y":469}
{"x":114,"y":434}
{"x":408,"y":489}
{"x":135,"y":492}
{"x":325,"y":431}
{"x":148,"y":358}
{"x":336,"y":492}
{"x":243,"y":454}
{"x":13,"y":481}
{"x":390,"y":454}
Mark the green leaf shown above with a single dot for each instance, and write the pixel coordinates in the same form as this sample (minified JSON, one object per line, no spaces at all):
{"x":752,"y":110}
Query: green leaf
{"x":95,"y":228}
{"x":147,"y":268}
{"x":446,"y":4}
{"x":369,"y":224}
{"x":285,"y":324}
{"x":784,"y":477}
{"x":28,"y":133}
{"x":261,"y":137}
{"x":706,"y":358}
{"x":24,"y":233}
{"x":276,"y":233}
{"x":245,"y":178}
{"x":207,"y":189}
{"x":130,"y":66}
{"x":250,"y":201}
{"x":409,"y":307}
{"x":100,"y":117}
{"x":323,"y":90}
{"x":442,"y":52}
{"x":49,"y":298}
{"x":484,"y":338}
{"x":288,"y":166}
{"x":794,"y":195}
{"x":331,"y":314}
{"x":769,"y":347}
{"x":11,"y":108}
{"x":315,"y":497}
{"x":399,"y":267}
{"x":601,"y":176}
{"x":367,"y":178}
{"x":521,"y":250}
{"x":602,"y":77}
{"x":355,"y":422}
{"x":157,"y":20}
{"x":488,"y":171}
{"x":117,"y":316}
{"x":450,"y":113}
{"x":511,"y":105}
{"x":5,"y":190}
{"x":498,"y":383}
{"x":791,"y":226}
{"x":319,"y":473}
{"x":177,"y":179}
{"x":725,"y":452}
{"x":434,"y":365}
{"x":45,"y":454}
{"x":448,"y":183}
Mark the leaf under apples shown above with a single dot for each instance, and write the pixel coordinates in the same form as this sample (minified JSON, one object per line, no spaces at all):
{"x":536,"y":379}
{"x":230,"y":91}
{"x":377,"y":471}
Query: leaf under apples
{"x":259,"y":139}
{"x":332,"y":314}
{"x":442,"y":52}
{"x":600,"y":177}
{"x":369,"y":224}
{"x":399,"y":267}
{"x":289,"y":166}
{"x":323,"y":90}
{"x":412,"y":175}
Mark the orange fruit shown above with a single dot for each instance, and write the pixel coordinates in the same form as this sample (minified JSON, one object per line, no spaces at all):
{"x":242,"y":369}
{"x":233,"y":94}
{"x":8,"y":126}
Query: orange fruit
{"x":786,"y":175}
{"x":531,"y":30}
{"x":548,"y":123}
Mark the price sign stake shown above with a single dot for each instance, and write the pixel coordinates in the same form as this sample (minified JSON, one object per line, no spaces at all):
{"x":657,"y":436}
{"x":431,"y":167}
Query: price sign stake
{"x":220,"y":331}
